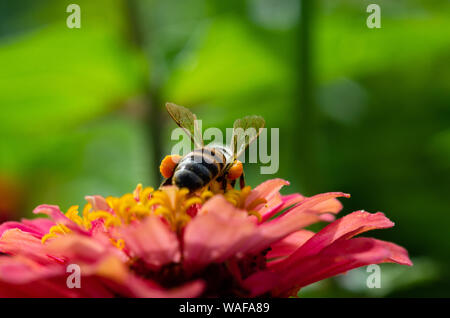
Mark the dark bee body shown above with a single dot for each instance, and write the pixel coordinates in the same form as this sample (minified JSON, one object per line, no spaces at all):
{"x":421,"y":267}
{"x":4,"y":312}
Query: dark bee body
{"x":201,"y":166}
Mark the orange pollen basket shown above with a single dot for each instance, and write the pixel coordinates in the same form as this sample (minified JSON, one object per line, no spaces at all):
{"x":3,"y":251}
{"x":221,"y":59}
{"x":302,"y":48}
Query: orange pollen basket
{"x":168,"y":165}
{"x":235,"y":171}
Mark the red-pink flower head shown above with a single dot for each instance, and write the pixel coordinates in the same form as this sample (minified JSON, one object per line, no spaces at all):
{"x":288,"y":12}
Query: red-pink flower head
{"x":172,"y":243}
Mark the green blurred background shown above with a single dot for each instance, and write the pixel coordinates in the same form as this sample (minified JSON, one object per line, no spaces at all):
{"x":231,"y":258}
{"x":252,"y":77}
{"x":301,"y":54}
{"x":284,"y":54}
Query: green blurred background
{"x":365,"y":111}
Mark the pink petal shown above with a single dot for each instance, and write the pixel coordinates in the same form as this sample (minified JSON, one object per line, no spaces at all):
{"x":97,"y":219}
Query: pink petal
{"x":271,"y":208}
{"x":330,"y":206}
{"x":57,"y":216}
{"x":341,"y":256}
{"x":270,"y":191}
{"x":142,"y":289}
{"x":275,"y":230}
{"x":327,"y":217}
{"x":22,"y":270}
{"x":103,"y":273}
{"x":320,"y":203}
{"x":38,"y":227}
{"x":53,"y":212}
{"x":266,"y":190}
{"x":291,"y":199}
{"x":296,"y":218}
{"x":20,"y":277}
{"x":216,"y":233}
{"x":346,"y":227}
{"x":98,"y":203}
{"x":43,"y":288}
{"x":17,"y":242}
{"x":289,"y":244}
{"x":83,"y":248}
{"x":152,"y":241}
{"x":97,"y":227}
{"x":41,"y":225}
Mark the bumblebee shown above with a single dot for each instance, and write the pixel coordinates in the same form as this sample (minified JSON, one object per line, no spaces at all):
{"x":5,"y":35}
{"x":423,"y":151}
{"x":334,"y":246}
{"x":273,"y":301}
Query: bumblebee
{"x":206,"y":164}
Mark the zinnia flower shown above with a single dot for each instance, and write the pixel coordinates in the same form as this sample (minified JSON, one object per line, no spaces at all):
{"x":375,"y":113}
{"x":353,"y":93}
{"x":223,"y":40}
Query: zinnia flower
{"x":170,"y":243}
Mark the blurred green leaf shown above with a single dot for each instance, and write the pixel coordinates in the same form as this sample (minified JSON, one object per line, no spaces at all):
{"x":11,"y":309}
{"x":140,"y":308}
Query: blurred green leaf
{"x":227,"y":60}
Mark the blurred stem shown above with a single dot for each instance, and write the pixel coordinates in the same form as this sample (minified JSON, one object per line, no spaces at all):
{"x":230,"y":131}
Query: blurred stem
{"x":153,"y":102}
{"x":305,"y":109}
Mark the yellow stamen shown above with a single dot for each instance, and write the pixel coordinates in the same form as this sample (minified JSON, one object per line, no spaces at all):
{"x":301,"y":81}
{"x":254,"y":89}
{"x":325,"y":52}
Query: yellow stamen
{"x":172,"y":204}
{"x":239,"y":197}
{"x":120,"y":244}
{"x":255,"y":213}
{"x":54,"y":231}
{"x":206,"y":195}
{"x":47,"y":236}
{"x":255,"y":203}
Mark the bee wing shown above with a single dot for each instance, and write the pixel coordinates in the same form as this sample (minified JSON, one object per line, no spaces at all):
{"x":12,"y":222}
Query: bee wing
{"x":245,"y":131}
{"x":187,"y":121}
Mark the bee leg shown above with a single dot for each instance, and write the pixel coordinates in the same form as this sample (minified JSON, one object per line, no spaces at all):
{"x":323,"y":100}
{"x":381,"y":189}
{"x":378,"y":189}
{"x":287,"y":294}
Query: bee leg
{"x":242,"y":181}
{"x":224,"y":184}
{"x":233,"y":183}
{"x":166,"y":181}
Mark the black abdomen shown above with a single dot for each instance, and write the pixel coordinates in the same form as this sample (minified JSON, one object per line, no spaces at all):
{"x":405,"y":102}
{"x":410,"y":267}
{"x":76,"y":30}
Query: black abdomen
{"x":199,"y":168}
